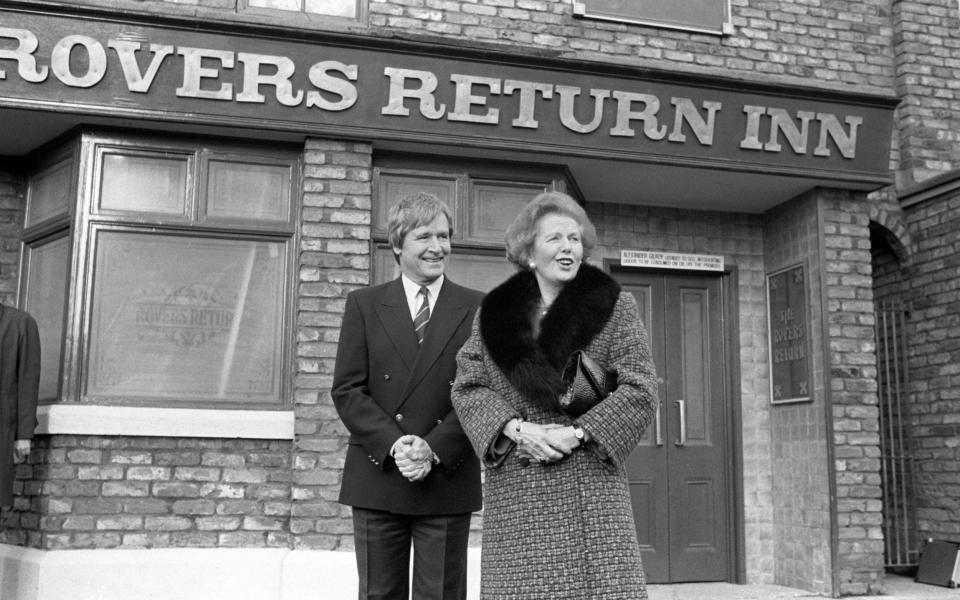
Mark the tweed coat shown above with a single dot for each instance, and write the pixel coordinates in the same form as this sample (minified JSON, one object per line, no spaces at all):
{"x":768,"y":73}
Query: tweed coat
{"x":563,"y":530}
{"x":19,"y":385}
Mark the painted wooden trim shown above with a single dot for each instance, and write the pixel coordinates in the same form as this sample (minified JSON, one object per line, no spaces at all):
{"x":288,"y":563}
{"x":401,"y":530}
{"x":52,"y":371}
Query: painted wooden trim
{"x":81,"y":419}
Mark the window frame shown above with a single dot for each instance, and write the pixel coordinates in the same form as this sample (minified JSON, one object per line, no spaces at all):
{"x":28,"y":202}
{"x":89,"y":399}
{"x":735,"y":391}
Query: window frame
{"x":286,"y":337}
{"x":48,"y":230}
{"x":87,"y":219}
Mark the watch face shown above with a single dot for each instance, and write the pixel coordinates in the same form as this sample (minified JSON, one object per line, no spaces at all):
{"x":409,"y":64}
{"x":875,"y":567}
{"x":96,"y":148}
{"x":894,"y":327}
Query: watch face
{"x":578,"y":433}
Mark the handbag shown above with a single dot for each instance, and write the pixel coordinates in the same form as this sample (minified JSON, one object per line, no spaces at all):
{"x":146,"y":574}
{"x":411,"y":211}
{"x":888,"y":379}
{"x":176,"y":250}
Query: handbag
{"x":587,"y":383}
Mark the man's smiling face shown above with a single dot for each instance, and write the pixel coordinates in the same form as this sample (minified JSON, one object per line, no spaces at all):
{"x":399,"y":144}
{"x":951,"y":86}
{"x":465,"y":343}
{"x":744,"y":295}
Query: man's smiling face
{"x":423,"y":255}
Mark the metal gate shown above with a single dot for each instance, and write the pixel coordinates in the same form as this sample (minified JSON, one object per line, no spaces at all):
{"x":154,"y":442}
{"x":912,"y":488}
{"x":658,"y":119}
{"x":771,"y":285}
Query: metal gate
{"x":897,"y":469}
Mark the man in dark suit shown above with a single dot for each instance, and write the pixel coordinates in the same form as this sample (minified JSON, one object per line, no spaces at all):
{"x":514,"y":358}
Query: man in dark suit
{"x":19,"y":385}
{"x":410,"y":473}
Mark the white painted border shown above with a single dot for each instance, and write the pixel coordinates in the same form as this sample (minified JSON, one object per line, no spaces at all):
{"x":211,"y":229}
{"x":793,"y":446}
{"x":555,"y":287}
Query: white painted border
{"x":726,"y":28}
{"x":86,"y":419}
{"x":187,"y":574}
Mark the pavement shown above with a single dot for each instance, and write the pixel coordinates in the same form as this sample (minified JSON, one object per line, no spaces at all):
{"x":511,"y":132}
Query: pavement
{"x":897,"y":587}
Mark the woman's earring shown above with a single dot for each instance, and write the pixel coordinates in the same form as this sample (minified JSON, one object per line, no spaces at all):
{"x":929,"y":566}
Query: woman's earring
{"x":533,"y":266}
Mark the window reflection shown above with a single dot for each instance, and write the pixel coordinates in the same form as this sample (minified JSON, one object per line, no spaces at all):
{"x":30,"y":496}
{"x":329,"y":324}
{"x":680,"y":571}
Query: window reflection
{"x":50,"y":194}
{"x":45,"y":300}
{"x":187,"y":318}
{"x":144,"y":184}
{"x":245,"y":190}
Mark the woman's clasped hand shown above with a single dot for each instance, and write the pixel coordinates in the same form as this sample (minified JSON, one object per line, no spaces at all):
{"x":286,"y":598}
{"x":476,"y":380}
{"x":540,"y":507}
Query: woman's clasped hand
{"x":542,"y":443}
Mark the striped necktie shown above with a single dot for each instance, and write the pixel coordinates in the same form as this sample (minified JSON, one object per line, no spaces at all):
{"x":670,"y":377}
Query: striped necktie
{"x":423,"y":315}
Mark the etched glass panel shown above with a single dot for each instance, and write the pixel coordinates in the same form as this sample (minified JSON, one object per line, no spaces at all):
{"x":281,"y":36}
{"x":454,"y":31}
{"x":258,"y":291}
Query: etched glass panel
{"x":45,"y":300}
{"x":249,"y":191}
{"x":187,"y":319}
{"x":395,"y":187}
{"x":334,"y":8}
{"x":146,"y":184}
{"x":495,"y":205}
{"x":50,"y":193}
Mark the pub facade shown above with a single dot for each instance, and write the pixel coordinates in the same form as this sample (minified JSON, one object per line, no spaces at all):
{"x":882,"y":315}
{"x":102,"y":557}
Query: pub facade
{"x":188,"y":191}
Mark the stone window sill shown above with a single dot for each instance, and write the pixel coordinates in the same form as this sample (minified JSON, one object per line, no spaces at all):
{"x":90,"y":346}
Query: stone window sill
{"x":80,"y":419}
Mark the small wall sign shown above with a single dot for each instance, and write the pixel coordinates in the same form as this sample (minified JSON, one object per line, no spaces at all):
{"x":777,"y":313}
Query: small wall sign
{"x":671,"y":260}
{"x":789,"y":336}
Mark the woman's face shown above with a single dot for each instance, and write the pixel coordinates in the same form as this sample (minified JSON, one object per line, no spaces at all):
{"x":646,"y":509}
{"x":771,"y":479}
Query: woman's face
{"x":557,"y":249}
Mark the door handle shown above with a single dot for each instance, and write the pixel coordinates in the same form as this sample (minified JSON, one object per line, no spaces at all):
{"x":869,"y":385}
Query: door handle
{"x":658,"y":432}
{"x":683,"y":423}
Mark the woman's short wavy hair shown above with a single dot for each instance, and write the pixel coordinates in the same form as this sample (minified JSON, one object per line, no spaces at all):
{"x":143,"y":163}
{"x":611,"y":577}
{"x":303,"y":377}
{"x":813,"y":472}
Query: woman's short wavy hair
{"x":522,"y":232}
{"x":411,"y":212}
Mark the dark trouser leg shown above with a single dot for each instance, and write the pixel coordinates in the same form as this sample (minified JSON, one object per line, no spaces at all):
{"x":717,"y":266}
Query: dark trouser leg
{"x":440,"y":557}
{"x":382,"y":543}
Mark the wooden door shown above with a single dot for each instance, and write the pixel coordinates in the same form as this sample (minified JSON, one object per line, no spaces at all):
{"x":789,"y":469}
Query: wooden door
{"x":680,"y":474}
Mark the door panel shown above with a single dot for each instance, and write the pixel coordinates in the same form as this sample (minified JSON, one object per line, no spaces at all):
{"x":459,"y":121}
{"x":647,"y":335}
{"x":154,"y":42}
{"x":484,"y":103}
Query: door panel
{"x":697,"y":468}
{"x":649,"y":484}
{"x":683,"y":471}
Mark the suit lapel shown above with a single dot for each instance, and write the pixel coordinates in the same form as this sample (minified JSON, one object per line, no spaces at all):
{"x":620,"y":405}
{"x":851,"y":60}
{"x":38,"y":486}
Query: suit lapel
{"x":446,"y":317}
{"x":395,"y":318}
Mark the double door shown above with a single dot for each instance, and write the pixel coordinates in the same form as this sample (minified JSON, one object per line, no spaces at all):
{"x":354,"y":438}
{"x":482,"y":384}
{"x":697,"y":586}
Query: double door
{"x":681,"y":473}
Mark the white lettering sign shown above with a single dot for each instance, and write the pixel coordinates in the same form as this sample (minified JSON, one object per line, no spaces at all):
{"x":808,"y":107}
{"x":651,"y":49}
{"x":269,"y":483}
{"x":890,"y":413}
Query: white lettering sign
{"x":228,"y":75}
{"x":671,"y":260}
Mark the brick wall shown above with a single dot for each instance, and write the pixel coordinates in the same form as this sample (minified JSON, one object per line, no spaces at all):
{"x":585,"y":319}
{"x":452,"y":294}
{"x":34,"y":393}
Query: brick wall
{"x":928,"y":35}
{"x":798,"y":431}
{"x":934,"y":361}
{"x":828,"y":232}
{"x":146,"y":492}
{"x":12,"y":195}
{"x":829,"y":42}
{"x":847,"y":265}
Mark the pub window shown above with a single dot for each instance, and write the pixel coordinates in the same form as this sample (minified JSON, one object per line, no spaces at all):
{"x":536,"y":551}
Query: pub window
{"x":703,"y":16}
{"x":46,"y":263}
{"x":484,"y":199}
{"x":47,"y":251}
{"x":181,"y":293}
{"x":349,"y":9}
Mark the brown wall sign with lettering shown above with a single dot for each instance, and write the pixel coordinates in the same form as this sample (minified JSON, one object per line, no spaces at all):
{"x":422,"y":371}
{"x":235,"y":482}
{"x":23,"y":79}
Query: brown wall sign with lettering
{"x":789,"y":336}
{"x":365,"y":88}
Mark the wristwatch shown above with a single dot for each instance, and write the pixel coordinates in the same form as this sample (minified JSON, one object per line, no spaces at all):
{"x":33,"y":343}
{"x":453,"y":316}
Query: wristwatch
{"x":578,"y":433}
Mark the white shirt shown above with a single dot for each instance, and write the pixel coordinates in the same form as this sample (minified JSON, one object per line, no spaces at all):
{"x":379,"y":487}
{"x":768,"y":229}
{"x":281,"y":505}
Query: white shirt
{"x":412,"y":291}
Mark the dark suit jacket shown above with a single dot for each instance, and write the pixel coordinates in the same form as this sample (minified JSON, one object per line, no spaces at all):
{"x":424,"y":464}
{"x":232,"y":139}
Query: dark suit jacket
{"x":385,"y":386}
{"x":19,"y":385}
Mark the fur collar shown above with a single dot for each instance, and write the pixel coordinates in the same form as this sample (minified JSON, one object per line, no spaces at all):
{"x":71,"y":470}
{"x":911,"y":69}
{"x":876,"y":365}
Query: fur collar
{"x":534,"y":366}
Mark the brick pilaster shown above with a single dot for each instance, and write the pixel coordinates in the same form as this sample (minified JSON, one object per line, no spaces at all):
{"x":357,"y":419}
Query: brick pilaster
{"x":850,"y":318}
{"x":334,"y":258}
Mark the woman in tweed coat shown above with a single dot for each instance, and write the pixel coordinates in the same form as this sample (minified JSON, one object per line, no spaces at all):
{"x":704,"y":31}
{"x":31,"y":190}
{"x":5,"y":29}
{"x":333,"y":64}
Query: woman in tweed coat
{"x":558,"y":522}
